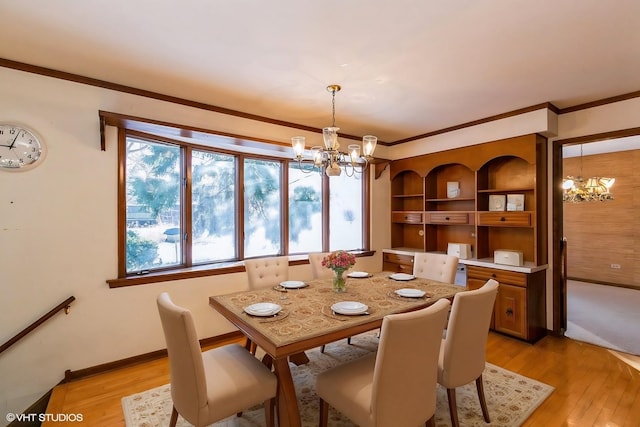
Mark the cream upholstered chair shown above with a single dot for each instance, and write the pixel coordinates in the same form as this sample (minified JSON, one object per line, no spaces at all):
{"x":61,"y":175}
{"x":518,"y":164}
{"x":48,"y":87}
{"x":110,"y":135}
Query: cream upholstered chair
{"x":439,"y":267}
{"x":462,"y":354}
{"x":396,"y":386}
{"x":266,"y":272}
{"x":209,"y":386}
{"x":318,"y":271}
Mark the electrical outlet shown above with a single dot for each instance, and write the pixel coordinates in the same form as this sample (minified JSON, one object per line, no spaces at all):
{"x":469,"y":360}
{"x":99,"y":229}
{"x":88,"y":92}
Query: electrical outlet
{"x":616,"y":266}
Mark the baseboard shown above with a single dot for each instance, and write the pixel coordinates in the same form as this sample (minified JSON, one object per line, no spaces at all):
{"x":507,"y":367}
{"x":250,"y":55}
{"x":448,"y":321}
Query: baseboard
{"x":143,"y":358}
{"x":600,"y":282}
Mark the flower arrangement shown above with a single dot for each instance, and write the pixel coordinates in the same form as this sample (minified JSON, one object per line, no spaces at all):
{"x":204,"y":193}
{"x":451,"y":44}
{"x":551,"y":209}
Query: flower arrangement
{"x":339,"y":261}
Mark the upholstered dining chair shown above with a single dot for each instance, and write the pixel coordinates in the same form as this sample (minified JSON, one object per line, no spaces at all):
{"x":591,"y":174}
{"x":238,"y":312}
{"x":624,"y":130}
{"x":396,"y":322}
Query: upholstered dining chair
{"x":462,"y":354}
{"x":209,"y":386}
{"x":397,"y":385}
{"x":317,"y":270}
{"x":266,"y":272}
{"x":439,"y":267}
{"x":320,"y":272}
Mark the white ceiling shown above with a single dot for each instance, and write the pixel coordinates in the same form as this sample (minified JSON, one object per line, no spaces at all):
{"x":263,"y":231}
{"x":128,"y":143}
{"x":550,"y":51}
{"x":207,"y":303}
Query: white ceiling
{"x":407,"y":67}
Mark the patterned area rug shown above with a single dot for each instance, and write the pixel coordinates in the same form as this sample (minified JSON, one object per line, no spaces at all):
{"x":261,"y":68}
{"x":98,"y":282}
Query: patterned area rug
{"x":511,"y":398}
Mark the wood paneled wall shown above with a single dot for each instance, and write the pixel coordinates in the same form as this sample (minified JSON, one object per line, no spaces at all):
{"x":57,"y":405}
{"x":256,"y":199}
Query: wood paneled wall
{"x":600,"y":234}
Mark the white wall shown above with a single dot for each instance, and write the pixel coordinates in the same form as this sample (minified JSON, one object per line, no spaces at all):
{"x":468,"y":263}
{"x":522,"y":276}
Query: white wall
{"x":58,"y":231}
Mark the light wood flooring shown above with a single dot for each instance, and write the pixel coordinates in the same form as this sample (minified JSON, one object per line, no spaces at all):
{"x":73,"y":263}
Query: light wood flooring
{"x":592,"y":386}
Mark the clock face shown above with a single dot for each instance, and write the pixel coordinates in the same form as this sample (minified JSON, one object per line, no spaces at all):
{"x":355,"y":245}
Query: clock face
{"x":20,"y":148}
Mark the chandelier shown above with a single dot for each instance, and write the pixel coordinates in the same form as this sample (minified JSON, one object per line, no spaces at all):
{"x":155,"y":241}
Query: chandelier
{"x":329,"y":158}
{"x":577,"y":189}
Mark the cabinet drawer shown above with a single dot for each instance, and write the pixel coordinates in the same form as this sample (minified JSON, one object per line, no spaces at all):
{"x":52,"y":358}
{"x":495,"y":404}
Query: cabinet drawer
{"x":407,"y":217}
{"x":505,"y":219}
{"x":501,"y":276}
{"x":447,"y":218}
{"x":398,"y":259}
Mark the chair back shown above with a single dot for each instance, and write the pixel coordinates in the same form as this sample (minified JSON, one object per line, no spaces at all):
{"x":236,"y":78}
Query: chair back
{"x":318,"y":271}
{"x":188,"y":380}
{"x":406,"y":367}
{"x":266,"y":272}
{"x":464,"y":348}
{"x":439,"y":267}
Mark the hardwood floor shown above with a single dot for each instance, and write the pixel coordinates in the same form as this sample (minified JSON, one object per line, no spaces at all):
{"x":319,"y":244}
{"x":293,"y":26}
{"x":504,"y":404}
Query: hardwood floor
{"x":592,"y":386}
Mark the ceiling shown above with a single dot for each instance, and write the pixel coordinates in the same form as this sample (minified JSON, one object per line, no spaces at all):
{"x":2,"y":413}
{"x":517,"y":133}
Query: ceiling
{"x":407,"y":67}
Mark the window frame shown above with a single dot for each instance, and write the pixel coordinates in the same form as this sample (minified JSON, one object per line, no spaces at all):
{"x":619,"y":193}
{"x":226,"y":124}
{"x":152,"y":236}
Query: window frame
{"x":187,"y":269}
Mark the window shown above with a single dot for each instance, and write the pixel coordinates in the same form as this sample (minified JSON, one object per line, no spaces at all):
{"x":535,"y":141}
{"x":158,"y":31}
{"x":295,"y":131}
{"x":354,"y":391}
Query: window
{"x":187,"y":206}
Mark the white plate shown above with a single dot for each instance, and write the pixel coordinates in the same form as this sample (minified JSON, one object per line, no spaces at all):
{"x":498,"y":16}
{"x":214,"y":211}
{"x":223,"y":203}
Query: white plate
{"x":358,"y":274}
{"x":402,"y":276}
{"x":293,"y":284}
{"x":262,"y":309}
{"x":349,"y":307}
{"x":410,"y":293}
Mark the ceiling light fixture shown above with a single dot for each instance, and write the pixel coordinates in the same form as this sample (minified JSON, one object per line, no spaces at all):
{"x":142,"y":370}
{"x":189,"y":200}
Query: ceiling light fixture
{"x":329,"y":158}
{"x":577,"y":190}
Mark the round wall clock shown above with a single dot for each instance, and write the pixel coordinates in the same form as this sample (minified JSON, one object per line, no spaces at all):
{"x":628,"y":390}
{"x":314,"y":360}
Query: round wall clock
{"x":20,"y":148}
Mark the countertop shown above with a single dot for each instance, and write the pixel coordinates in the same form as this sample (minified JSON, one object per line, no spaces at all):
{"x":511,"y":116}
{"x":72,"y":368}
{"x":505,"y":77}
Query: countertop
{"x":528,"y":267}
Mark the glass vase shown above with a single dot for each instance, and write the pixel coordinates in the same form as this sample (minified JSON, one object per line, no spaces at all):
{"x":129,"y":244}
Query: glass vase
{"x":339,"y":282}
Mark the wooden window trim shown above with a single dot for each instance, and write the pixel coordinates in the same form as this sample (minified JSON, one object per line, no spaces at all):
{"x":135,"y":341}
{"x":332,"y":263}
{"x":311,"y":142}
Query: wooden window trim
{"x":145,"y":130}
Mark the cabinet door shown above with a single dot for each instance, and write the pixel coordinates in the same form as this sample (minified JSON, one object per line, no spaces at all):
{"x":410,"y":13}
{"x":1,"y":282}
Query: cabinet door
{"x":510,"y":311}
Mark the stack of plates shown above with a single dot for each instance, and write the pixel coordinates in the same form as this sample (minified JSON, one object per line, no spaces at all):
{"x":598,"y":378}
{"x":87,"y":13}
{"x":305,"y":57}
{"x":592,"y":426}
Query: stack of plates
{"x":262,"y":309}
{"x":358,"y":274}
{"x":349,"y":308}
{"x":293,"y":284}
{"x":402,"y":276}
{"x":410,"y":293}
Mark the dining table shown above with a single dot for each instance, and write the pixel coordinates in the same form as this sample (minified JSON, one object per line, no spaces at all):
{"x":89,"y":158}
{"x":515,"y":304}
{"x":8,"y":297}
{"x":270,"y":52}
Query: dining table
{"x":306,"y":320}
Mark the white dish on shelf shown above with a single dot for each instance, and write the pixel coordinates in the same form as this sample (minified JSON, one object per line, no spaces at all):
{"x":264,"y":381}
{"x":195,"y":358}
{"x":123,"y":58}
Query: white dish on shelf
{"x":358,"y":274}
{"x":349,"y":308}
{"x":292,"y":284}
{"x":262,"y":309}
{"x":402,"y":276}
{"x":410,"y":293}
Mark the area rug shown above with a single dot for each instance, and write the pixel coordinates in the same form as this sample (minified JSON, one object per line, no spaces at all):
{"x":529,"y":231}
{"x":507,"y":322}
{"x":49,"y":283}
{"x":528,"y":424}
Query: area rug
{"x":606,"y":316}
{"x":511,"y":397}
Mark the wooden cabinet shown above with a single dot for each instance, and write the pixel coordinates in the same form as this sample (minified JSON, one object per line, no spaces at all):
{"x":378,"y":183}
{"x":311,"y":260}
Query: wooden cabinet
{"x":520,"y":305}
{"x":397,"y":263}
{"x":427,"y":216}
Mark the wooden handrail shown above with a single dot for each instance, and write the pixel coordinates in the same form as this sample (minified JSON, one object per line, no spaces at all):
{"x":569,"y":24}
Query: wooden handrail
{"x":66,"y":304}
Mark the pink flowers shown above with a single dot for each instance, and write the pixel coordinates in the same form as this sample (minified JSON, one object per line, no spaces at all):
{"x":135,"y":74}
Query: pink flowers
{"x":339,"y":261}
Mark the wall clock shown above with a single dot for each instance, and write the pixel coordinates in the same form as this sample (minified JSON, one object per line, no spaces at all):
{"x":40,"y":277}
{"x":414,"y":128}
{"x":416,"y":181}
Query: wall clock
{"x":21,"y":148}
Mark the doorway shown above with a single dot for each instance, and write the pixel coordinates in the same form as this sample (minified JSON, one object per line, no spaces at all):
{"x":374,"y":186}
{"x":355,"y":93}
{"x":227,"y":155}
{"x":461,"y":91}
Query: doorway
{"x":592,"y":144}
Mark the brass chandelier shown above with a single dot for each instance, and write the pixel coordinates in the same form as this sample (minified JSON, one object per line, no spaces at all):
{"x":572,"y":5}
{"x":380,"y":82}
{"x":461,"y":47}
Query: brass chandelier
{"x":577,"y":189}
{"x":329,"y":158}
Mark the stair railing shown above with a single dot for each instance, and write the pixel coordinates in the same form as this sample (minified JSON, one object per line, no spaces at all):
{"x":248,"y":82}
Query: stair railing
{"x":66,"y":305}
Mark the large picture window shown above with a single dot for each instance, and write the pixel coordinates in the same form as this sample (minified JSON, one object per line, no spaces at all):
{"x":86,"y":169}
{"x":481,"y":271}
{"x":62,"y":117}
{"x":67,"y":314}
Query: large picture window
{"x":187,"y":206}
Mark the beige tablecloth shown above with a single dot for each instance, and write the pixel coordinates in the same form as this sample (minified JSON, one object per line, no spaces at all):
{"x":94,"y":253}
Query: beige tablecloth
{"x":306,"y":312}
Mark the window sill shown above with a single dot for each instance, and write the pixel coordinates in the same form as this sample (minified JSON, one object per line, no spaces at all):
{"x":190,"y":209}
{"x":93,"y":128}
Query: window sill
{"x":202,"y":271}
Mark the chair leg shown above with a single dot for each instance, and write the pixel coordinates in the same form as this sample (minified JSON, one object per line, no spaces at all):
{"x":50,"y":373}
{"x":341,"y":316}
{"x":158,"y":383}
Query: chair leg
{"x":349,"y":340}
{"x":174,"y":417}
{"x":247,"y":344}
{"x":324,"y":413}
{"x":483,"y":402}
{"x":431,"y":422}
{"x":453,"y":408}
{"x":254,"y":347}
{"x":269,"y":412}
{"x":322,"y":349}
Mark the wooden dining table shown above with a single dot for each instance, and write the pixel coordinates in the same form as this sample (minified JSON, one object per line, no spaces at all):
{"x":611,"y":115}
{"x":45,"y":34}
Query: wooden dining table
{"x":307,"y":321}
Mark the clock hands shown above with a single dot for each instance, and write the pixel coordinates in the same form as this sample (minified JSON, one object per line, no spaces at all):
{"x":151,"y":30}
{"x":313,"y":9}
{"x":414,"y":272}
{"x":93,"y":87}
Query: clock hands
{"x":14,"y":141}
